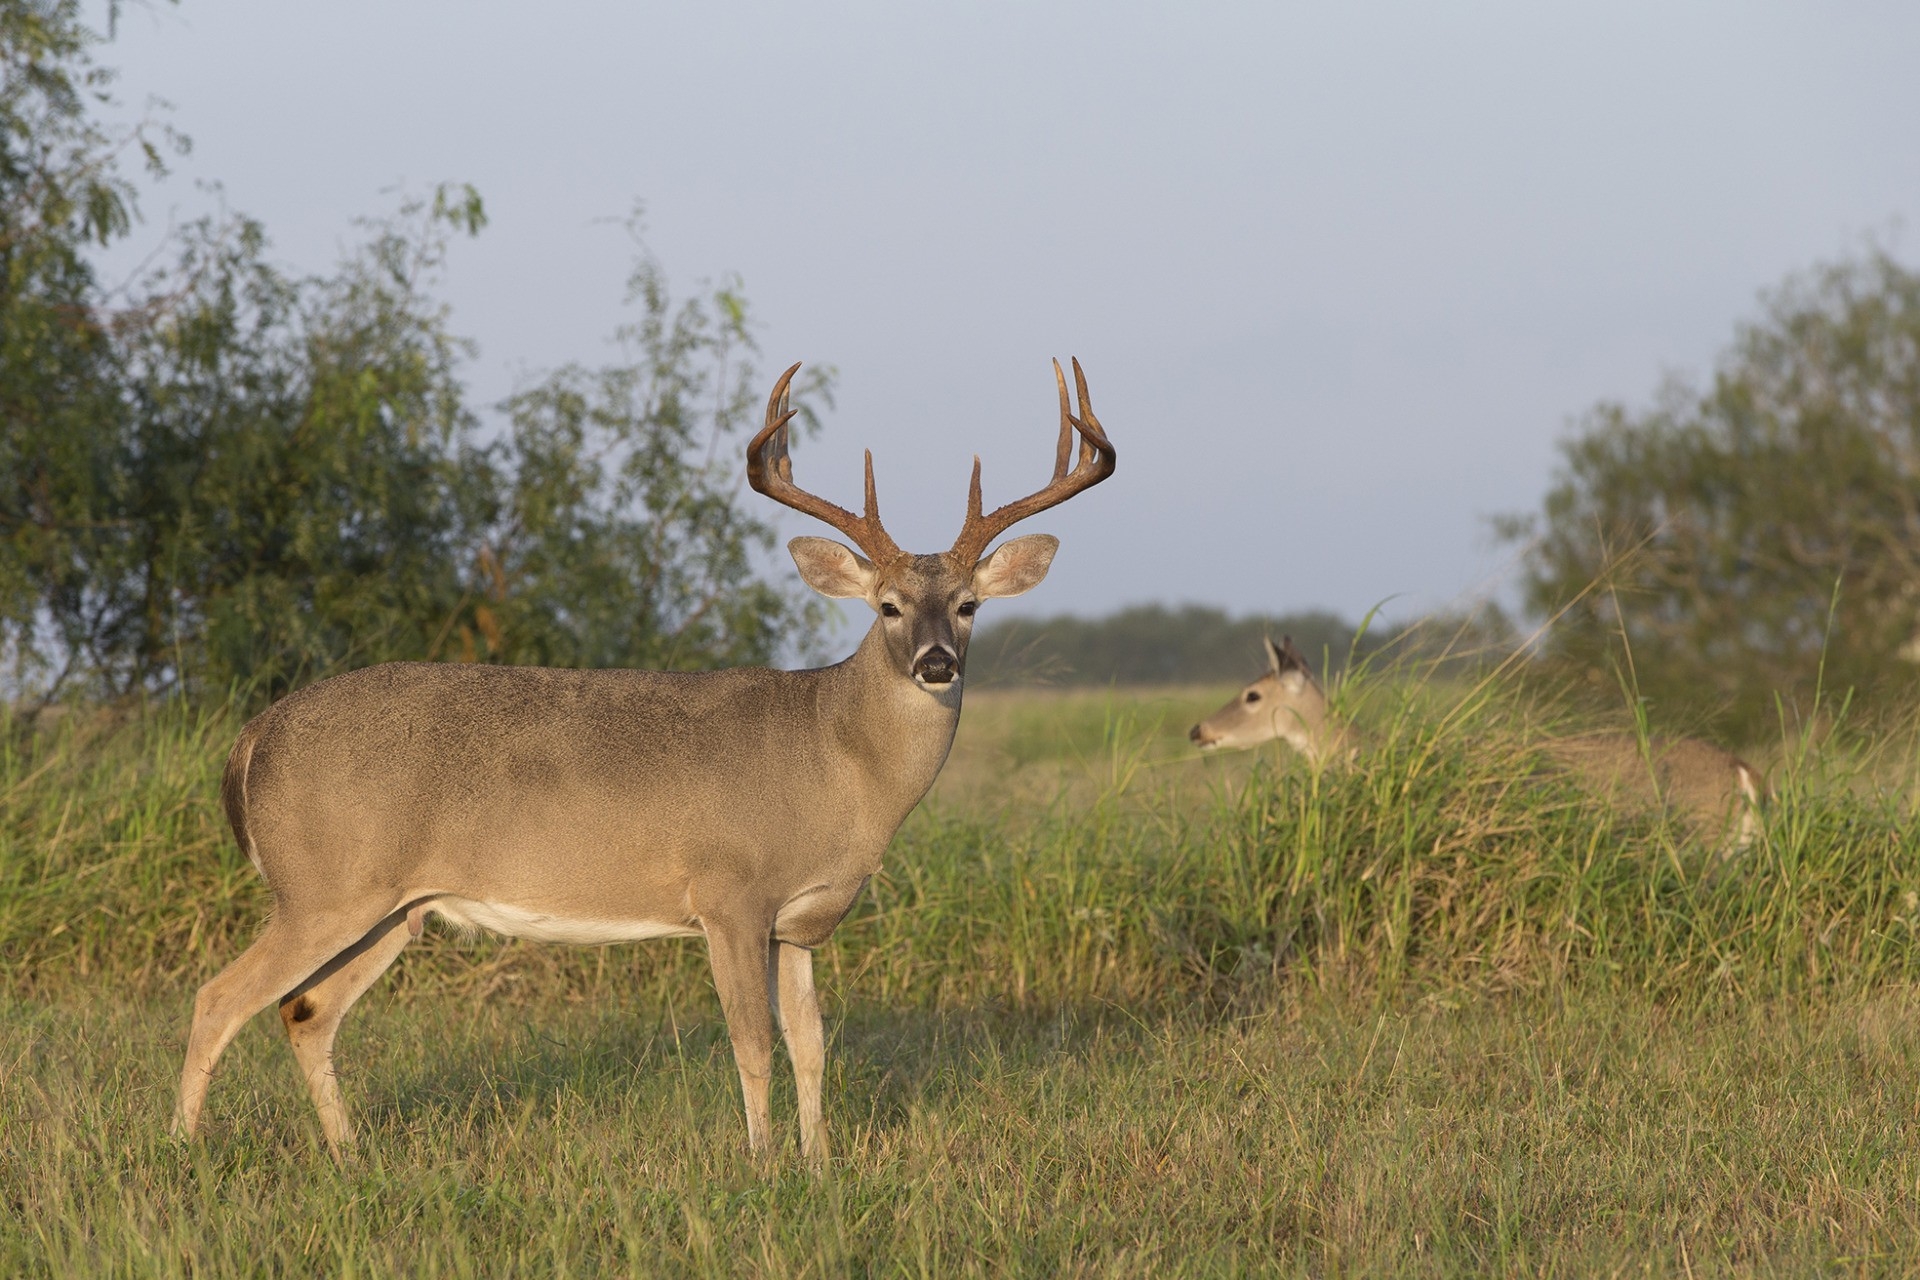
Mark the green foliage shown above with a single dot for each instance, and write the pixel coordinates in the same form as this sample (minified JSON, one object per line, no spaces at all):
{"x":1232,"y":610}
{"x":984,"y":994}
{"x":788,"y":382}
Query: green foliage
{"x":1705,"y":540}
{"x":315,"y":493}
{"x":251,"y":478}
{"x":59,"y":187}
{"x":297,"y":487}
{"x":60,"y":409}
{"x":620,"y":541}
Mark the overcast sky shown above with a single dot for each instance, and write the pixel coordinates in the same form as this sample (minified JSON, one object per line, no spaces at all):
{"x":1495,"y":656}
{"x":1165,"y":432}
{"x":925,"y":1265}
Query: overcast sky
{"x":1340,"y":274}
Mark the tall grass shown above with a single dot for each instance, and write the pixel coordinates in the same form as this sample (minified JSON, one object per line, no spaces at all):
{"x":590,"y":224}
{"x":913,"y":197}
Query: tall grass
{"x":116,"y":864}
{"x":1447,"y":852}
{"x":1452,"y":850}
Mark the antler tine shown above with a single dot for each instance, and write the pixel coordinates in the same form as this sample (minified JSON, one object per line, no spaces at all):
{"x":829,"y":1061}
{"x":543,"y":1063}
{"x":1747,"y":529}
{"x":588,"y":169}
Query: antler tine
{"x":1064,"y":449}
{"x":1086,"y":411}
{"x":1094,"y":464}
{"x":770,"y":471}
{"x":783,"y":431}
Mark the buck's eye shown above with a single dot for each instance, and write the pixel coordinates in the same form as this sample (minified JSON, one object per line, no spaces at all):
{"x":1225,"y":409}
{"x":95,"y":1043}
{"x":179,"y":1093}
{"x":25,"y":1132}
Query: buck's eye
{"x":888,"y":609}
{"x":1252,"y":696}
{"x":967,"y":607}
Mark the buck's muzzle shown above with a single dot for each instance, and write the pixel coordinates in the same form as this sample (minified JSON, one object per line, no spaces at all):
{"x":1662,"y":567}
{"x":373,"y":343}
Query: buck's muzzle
{"x":936,"y":666}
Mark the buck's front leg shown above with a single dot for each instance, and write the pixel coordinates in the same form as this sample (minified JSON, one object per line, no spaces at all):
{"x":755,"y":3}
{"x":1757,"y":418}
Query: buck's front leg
{"x":740,"y":954}
{"x":806,"y":1041}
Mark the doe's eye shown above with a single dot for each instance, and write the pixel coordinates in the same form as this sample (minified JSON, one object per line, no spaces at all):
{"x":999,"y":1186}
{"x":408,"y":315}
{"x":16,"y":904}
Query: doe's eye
{"x":888,"y":609}
{"x":1252,"y":696}
{"x":967,"y":607}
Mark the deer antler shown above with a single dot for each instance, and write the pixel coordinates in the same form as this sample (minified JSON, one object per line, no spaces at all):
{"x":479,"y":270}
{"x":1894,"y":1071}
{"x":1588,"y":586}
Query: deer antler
{"x":1094,"y":464}
{"x":770,"y":471}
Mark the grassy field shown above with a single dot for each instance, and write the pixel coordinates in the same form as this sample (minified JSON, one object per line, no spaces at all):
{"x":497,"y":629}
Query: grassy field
{"x":1112,"y":1009}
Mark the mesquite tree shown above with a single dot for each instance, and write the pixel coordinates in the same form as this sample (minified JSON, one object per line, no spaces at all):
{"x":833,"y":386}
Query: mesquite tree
{"x":236,"y":475}
{"x":1727,"y":545}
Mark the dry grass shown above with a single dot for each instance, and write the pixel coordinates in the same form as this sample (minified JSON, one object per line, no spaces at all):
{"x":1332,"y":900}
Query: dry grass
{"x":1601,"y":1134}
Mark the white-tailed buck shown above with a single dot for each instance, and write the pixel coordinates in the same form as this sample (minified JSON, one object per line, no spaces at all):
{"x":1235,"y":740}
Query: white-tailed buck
{"x":1714,"y":791}
{"x":748,"y":806}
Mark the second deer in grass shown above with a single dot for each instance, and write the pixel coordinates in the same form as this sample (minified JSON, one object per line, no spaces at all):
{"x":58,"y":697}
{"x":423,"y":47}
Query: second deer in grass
{"x":1714,"y":791}
{"x":747,"y":806}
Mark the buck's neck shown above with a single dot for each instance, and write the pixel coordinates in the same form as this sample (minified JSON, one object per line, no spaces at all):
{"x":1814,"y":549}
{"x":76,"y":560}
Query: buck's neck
{"x":896,"y":729}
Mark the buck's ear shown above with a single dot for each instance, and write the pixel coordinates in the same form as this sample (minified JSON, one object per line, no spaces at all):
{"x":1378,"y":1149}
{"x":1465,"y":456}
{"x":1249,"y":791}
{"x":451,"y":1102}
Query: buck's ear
{"x":1015,"y":567}
{"x":1275,"y":663}
{"x":831,"y":569}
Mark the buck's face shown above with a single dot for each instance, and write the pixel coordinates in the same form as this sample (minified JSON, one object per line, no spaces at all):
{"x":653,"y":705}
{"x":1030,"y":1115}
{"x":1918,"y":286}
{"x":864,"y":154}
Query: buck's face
{"x":1285,"y":703}
{"x":926,"y":604}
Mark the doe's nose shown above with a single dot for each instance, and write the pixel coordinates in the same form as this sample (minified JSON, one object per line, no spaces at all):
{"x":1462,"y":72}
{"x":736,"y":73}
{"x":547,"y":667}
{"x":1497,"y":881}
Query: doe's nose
{"x":1196,"y":736}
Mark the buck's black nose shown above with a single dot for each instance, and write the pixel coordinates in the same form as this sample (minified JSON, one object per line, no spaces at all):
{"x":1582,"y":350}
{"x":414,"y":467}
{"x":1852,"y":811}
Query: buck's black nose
{"x":936,"y":666}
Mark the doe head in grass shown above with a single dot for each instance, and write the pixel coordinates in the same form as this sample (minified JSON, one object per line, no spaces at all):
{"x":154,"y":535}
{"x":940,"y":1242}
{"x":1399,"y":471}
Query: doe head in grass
{"x":747,"y":806}
{"x":1286,"y":703}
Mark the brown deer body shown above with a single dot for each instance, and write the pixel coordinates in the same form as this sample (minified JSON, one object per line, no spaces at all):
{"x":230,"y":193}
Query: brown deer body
{"x":749,"y":805}
{"x":1714,"y":791}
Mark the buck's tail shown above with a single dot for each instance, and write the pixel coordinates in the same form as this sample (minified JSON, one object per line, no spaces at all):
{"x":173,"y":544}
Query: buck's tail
{"x":233,"y":792}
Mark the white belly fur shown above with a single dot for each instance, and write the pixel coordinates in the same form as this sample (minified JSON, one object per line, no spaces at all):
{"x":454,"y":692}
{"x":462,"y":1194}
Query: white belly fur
{"x":518,"y":922}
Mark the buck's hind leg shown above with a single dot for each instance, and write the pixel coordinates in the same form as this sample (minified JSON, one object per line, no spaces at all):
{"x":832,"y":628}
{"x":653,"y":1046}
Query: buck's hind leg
{"x":314,"y":1010}
{"x":806,"y":1040}
{"x":288,"y":950}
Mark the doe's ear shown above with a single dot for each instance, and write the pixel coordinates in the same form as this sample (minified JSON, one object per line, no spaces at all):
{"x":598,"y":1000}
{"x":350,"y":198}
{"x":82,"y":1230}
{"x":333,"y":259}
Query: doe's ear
{"x":1015,"y":567}
{"x":831,"y":569}
{"x":1275,"y":663}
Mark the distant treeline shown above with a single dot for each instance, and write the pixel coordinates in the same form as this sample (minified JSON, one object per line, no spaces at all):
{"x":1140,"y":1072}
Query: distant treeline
{"x":1153,"y":644}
